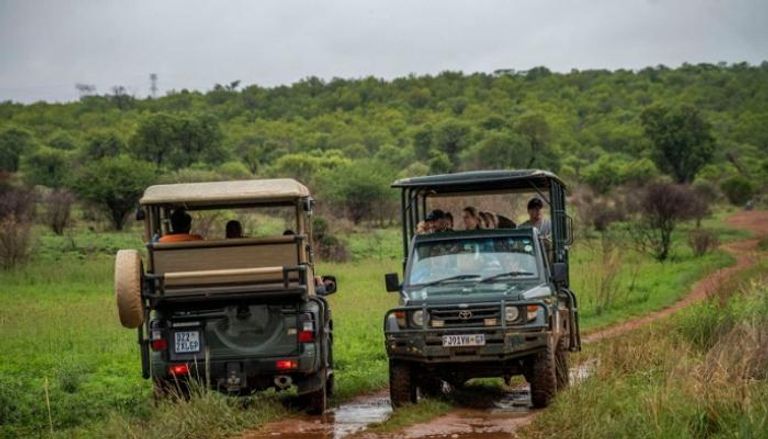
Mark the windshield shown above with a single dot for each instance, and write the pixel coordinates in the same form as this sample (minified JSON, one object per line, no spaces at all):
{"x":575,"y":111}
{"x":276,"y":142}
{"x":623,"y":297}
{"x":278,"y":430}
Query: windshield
{"x":482,"y":259}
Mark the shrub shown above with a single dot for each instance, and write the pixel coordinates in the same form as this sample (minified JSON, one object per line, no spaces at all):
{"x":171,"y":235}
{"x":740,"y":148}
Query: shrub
{"x":738,"y":189}
{"x":661,"y":207}
{"x":702,"y":241}
{"x":15,"y":242}
{"x":58,"y":206}
{"x":327,"y":246}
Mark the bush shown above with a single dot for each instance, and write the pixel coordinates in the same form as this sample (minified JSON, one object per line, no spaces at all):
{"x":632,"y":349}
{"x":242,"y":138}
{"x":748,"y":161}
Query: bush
{"x":58,"y":206}
{"x":15,"y":242}
{"x":738,"y":189}
{"x":702,"y":241}
{"x":327,"y":246}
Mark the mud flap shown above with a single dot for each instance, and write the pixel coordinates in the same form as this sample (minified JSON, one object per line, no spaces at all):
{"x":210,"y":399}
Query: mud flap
{"x":311,"y":383}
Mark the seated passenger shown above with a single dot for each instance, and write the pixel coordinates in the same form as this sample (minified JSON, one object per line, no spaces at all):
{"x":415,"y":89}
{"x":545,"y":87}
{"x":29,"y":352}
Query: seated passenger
{"x":234,"y":230}
{"x":181,"y":224}
{"x":489,"y":220}
{"x":504,"y":223}
{"x":434,"y":221}
{"x":471,"y":217}
{"x":289,"y":232}
{"x":535,"y":218}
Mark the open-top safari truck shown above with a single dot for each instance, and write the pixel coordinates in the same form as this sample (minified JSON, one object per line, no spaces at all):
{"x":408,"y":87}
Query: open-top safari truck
{"x":491,"y":302}
{"x":238,"y":314}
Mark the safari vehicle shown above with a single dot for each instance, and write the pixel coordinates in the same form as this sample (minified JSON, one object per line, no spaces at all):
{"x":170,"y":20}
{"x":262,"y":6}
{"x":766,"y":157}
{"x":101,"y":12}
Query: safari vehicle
{"x":483,"y":302}
{"x":238,"y":315}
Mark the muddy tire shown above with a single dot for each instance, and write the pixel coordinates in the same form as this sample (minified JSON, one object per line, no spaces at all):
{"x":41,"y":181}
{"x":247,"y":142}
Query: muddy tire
{"x":431,"y":386}
{"x":402,"y":385}
{"x":128,"y":280}
{"x":543,"y":377}
{"x":316,"y":403}
{"x":561,"y":364}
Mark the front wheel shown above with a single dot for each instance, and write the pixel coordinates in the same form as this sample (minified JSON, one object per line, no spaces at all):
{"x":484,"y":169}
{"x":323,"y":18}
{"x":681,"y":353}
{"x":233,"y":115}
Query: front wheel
{"x":561,"y":363}
{"x":402,"y":386}
{"x":543,"y":377}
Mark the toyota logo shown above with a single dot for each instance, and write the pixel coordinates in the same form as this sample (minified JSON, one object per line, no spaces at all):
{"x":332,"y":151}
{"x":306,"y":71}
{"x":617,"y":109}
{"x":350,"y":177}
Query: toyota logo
{"x":465,"y":315}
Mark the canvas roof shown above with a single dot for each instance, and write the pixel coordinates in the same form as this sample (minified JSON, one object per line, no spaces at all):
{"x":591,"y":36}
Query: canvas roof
{"x":223,"y":192}
{"x":498,"y":179}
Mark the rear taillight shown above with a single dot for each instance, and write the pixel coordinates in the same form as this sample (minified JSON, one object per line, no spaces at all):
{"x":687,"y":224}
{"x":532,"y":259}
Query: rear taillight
{"x":286,"y":364}
{"x":178,"y":369}
{"x":306,"y":329}
{"x":159,"y":344}
{"x":156,"y":340}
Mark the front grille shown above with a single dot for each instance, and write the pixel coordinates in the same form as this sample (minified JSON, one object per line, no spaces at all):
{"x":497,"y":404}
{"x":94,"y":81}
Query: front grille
{"x":465,"y":317}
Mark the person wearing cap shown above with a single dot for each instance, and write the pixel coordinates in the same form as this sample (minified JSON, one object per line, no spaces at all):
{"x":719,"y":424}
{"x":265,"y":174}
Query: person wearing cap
{"x":181,"y":224}
{"x":434,"y":221}
{"x":536,"y":219}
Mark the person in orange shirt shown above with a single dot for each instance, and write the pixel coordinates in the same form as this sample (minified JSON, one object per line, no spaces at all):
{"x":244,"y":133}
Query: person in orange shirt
{"x":181,"y":224}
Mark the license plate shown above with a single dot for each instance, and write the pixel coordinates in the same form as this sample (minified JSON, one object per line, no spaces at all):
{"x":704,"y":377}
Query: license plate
{"x":464,"y":340}
{"x":187,"y":341}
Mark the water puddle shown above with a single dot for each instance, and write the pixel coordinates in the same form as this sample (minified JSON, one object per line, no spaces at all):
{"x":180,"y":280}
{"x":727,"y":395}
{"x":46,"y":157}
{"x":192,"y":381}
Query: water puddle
{"x":500,"y":417}
{"x":341,"y":422}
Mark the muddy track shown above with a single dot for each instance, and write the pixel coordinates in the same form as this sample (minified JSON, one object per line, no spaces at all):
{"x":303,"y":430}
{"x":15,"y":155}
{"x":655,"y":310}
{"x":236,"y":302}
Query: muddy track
{"x":502,"y":417}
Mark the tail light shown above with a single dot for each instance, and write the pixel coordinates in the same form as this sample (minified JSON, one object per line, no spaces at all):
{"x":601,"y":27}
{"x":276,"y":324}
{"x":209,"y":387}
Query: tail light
{"x":306,"y":329}
{"x":178,"y":369}
{"x":286,"y":364}
{"x":160,"y":344}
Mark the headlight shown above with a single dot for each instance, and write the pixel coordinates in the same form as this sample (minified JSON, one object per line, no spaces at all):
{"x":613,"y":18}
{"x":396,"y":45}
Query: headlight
{"x":512,"y":313}
{"x":417,"y":318}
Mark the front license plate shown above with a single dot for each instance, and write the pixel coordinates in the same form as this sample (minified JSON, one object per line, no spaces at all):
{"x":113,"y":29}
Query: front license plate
{"x":464,"y":340}
{"x":187,"y":341}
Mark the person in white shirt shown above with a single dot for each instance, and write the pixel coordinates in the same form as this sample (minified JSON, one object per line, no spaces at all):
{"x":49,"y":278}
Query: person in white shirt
{"x":536,"y":219}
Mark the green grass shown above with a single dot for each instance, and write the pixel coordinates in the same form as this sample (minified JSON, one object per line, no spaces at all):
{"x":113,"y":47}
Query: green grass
{"x":58,"y":324}
{"x":702,"y":374}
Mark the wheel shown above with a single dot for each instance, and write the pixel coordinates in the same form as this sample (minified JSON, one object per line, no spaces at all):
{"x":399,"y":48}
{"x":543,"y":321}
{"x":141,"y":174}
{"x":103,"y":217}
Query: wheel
{"x":128,"y":274}
{"x":316,"y":402}
{"x":402,"y":388}
{"x":543,"y":377}
{"x":431,"y":386}
{"x":561,"y":364}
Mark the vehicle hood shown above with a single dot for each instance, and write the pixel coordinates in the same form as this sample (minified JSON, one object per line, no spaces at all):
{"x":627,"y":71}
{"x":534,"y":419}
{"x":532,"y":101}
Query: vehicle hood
{"x":469,"y":293}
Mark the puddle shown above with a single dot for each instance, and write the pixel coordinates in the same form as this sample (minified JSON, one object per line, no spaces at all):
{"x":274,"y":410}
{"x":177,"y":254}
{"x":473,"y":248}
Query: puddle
{"x":501,"y":418}
{"x":343,"y":421}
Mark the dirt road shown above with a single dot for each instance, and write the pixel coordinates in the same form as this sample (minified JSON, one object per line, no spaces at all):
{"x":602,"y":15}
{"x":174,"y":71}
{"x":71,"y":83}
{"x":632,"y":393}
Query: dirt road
{"x":501,"y":417}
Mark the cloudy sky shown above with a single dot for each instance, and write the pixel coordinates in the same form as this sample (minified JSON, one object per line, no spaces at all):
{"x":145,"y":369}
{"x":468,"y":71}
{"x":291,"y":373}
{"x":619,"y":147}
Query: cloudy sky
{"x":46,"y":46}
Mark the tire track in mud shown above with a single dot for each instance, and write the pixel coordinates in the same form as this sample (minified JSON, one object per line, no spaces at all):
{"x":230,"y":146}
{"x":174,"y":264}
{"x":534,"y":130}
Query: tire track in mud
{"x":504,"y":416}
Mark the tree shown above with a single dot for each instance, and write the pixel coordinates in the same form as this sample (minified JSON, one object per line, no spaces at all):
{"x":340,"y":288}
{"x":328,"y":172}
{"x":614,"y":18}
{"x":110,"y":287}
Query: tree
{"x":681,"y":139}
{"x":738,"y":189}
{"x":177,"y":141}
{"x":103,"y":143}
{"x":662,"y":206}
{"x":360,"y":188}
{"x":13,"y":143}
{"x":46,"y":166}
{"x":114,"y":184}
{"x":451,"y":136}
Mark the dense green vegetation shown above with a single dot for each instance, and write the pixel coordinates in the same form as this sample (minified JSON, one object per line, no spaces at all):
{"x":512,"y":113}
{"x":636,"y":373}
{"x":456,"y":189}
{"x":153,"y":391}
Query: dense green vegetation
{"x":349,"y":138}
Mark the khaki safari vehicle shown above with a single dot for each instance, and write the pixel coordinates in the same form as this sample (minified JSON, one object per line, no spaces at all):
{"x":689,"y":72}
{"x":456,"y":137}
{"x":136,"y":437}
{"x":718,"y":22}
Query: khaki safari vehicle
{"x":238,"y":314}
{"x":483,"y":302}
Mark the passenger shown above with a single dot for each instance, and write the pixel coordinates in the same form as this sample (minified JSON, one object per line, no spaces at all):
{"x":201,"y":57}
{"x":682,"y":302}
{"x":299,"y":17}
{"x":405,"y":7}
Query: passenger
{"x":535,"y":218}
{"x":471,"y":217}
{"x":289,"y":232}
{"x":234,"y":229}
{"x":448,"y":221}
{"x":489,"y":220}
{"x":181,"y":224}
{"x":434,"y":221}
{"x":505,"y":223}
{"x":421,"y":228}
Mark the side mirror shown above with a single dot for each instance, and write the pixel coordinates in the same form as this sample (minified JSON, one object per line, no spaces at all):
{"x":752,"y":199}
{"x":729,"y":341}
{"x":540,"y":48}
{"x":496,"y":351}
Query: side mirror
{"x":140,"y":214}
{"x":329,"y":285}
{"x":392,"y":282}
{"x":560,"y":272}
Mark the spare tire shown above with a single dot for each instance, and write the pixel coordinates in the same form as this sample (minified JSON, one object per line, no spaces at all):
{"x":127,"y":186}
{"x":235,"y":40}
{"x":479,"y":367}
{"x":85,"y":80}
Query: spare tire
{"x":128,"y":279}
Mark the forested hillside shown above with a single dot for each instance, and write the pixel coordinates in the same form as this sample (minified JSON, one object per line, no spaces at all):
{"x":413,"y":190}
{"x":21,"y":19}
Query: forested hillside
{"x":350,"y":138}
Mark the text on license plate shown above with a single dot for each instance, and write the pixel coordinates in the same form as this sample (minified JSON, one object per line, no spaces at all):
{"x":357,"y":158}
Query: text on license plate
{"x":187,"y":341}
{"x":464,"y":340}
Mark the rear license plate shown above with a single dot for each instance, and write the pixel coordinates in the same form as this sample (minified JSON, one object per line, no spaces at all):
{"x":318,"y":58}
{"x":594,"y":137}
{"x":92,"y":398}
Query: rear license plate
{"x":187,"y":341}
{"x":464,"y":340}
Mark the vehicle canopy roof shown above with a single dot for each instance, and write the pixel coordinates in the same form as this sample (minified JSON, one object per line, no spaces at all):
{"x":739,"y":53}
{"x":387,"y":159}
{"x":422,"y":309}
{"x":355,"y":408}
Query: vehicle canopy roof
{"x":268,"y":191}
{"x":481,"y":181}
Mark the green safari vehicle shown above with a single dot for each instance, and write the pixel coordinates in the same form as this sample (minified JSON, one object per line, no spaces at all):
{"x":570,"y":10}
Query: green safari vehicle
{"x":236,"y":313}
{"x":485,"y":302}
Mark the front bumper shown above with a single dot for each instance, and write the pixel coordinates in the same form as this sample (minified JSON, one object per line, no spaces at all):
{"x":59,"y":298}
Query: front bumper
{"x":500,"y":345}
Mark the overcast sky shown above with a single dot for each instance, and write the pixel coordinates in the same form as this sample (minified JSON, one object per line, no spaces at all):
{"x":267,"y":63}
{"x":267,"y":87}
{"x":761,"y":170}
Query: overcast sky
{"x":46,"y":46}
